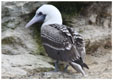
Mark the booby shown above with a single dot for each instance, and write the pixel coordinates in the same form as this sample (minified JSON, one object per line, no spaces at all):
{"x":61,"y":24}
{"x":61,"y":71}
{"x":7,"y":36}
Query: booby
{"x":61,"y":42}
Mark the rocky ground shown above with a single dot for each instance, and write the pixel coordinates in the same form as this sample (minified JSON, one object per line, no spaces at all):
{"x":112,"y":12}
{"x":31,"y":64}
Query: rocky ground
{"x":24,"y":57}
{"x":100,"y":67}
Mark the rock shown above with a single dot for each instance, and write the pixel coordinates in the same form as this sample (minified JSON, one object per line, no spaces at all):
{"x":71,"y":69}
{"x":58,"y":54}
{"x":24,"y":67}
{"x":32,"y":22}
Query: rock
{"x":18,"y":44}
{"x":92,"y":19}
{"x":99,"y":62}
{"x":95,"y":36}
{"x":12,"y":13}
{"x":106,"y":23}
{"x":18,"y":66}
{"x":55,"y":75}
{"x":96,"y":27}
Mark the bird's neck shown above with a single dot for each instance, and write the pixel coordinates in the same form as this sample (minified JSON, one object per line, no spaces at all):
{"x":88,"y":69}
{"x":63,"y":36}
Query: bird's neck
{"x":54,"y":18}
{"x":52,"y":21}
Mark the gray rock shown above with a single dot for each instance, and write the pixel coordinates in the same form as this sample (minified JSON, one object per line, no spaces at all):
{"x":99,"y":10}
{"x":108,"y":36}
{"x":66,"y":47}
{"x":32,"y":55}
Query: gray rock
{"x":18,"y":44}
{"x":15,"y":38}
{"x":96,"y":26}
{"x":92,"y":19}
{"x":12,"y":12}
{"x":18,"y":66}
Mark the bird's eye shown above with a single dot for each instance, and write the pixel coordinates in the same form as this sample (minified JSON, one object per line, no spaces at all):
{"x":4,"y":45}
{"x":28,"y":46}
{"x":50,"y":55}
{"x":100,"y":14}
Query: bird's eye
{"x":40,"y":13}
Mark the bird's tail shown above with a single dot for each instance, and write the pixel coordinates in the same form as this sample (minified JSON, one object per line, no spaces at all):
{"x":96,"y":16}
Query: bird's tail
{"x":79,"y":65}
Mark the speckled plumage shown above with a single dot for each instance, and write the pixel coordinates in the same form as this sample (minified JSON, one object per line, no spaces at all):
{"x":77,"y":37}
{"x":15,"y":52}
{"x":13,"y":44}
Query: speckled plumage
{"x":61,"y":43}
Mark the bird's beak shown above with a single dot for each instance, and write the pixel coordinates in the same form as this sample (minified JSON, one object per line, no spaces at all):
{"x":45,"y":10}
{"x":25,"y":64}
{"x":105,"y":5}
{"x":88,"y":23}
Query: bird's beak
{"x":34,"y":20}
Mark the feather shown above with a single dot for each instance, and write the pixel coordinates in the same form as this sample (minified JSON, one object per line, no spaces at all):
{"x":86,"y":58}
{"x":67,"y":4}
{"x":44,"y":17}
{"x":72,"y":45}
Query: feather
{"x":60,"y":42}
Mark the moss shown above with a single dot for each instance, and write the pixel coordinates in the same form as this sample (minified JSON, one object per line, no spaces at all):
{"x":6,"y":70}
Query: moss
{"x":8,"y":40}
{"x":36,"y":34}
{"x":80,"y":30}
{"x":37,"y":38}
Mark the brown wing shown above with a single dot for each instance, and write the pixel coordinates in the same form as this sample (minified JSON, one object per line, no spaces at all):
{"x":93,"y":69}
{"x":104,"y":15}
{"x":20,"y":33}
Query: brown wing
{"x":79,"y":43}
{"x":59,"y":43}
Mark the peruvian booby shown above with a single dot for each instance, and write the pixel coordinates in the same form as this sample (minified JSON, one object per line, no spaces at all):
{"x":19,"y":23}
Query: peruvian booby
{"x":61,"y":43}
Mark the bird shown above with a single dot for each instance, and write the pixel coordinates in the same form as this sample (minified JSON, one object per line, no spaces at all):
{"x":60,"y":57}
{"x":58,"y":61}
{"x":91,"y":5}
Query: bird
{"x":62,"y":43}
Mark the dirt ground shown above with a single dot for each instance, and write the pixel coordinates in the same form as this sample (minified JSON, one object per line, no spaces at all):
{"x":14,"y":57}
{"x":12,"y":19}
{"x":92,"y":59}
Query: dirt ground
{"x":99,"y":62}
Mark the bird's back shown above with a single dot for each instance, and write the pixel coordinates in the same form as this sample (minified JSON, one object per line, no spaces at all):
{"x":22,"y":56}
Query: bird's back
{"x":57,"y":44}
{"x":51,"y":33}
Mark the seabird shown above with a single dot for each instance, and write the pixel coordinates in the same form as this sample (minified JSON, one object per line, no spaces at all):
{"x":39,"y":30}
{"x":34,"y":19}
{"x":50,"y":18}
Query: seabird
{"x":61,"y":42}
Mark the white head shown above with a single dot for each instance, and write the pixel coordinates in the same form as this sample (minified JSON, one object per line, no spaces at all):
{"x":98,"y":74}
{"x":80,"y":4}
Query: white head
{"x":49,"y":14}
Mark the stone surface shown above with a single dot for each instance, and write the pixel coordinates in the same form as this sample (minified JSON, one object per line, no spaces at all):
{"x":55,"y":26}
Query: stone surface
{"x":18,"y":66}
{"x":92,"y":19}
{"x":18,"y":44}
{"x":100,"y":66}
{"x":13,"y":31}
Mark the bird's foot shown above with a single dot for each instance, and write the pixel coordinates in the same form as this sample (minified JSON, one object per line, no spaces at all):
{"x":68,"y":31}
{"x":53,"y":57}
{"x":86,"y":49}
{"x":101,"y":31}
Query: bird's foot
{"x":56,"y":66}
{"x":65,"y":68}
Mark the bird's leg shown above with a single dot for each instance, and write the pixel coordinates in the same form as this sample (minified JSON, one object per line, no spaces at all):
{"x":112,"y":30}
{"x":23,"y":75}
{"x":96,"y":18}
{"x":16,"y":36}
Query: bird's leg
{"x":56,"y":66}
{"x":65,"y":68}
